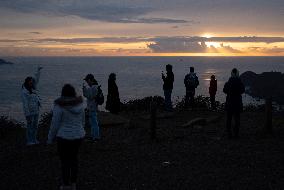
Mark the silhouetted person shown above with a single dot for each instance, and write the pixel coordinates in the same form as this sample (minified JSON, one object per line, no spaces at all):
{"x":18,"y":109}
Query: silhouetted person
{"x":234,"y":89}
{"x":212,"y":91}
{"x":67,"y":126}
{"x":90,"y":93}
{"x":191,"y":82}
{"x":31,"y":105}
{"x":113,"y":101}
{"x":168,"y":86}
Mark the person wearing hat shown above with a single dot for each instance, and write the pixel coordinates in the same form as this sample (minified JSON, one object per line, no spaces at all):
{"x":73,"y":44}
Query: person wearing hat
{"x":90,"y":93}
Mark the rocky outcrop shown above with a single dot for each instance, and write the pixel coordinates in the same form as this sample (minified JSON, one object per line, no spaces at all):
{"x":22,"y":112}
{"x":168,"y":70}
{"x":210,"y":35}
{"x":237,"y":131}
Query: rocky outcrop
{"x":2,"y":62}
{"x":265,"y":85}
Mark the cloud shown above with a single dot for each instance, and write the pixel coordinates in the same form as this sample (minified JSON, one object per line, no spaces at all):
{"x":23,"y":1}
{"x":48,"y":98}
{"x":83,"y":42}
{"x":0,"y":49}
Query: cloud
{"x":161,"y":40}
{"x":38,"y":33}
{"x":188,"y":47}
{"x":90,"y":9}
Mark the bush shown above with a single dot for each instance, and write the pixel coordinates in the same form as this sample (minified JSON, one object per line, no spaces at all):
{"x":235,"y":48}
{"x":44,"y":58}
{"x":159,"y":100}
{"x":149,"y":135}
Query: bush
{"x":7,"y":125}
{"x":142,"y":105}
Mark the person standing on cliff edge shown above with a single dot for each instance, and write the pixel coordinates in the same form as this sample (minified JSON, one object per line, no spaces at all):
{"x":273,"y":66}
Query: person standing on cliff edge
{"x":234,"y":89}
{"x":168,"y":80}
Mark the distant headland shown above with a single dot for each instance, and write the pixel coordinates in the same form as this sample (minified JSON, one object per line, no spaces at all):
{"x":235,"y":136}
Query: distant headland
{"x":2,"y":62}
{"x":265,"y":85}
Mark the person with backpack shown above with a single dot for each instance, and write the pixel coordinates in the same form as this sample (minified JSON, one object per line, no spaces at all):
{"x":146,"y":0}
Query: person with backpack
{"x":212,"y":91}
{"x":234,"y":89}
{"x":91,"y":93}
{"x":168,"y":86}
{"x":31,"y":105}
{"x":191,"y":82}
{"x":67,"y":126}
{"x":113,"y":101}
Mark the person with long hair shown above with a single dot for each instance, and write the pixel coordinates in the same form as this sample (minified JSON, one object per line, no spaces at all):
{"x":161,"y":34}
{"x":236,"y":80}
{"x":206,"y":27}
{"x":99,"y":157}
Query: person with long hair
{"x":31,"y":105}
{"x":234,"y":89}
{"x":67,"y":126}
{"x":113,"y":101}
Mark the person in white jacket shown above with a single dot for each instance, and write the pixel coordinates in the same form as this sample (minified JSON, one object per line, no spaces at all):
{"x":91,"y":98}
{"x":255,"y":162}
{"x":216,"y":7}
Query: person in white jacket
{"x":90,"y":93}
{"x":67,"y":126}
{"x":31,"y":105}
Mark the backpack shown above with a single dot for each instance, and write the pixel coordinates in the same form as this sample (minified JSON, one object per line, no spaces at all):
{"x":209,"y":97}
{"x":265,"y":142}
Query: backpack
{"x":100,"y":99}
{"x":191,"y":81}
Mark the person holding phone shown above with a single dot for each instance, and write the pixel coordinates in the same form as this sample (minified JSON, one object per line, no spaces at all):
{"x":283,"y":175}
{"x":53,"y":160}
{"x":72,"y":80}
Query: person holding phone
{"x":90,"y":92}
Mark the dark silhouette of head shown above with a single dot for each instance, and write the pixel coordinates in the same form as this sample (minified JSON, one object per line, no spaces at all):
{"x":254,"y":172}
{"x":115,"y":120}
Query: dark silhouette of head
{"x":112,"y":77}
{"x":68,"y":91}
{"x":212,"y":77}
{"x":169,"y":68}
{"x":235,"y":72}
{"x":90,"y":79}
{"x":191,"y":69}
{"x":29,"y":84}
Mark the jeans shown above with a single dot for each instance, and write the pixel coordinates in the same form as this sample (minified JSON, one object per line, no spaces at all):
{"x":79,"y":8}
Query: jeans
{"x":32,"y":125}
{"x":230,"y":115}
{"x":95,"y":130}
{"x":189,"y":97}
{"x":68,"y":153}
{"x":168,"y":99}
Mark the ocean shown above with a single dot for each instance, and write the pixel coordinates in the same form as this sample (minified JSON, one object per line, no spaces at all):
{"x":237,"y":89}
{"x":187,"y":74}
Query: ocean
{"x":137,"y":77}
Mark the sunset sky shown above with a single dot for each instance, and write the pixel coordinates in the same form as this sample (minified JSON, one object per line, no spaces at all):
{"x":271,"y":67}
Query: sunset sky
{"x":141,"y":27}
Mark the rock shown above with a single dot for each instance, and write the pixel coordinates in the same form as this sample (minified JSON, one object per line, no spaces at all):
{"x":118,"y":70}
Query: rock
{"x":265,"y":85}
{"x":196,"y":121}
{"x":2,"y":62}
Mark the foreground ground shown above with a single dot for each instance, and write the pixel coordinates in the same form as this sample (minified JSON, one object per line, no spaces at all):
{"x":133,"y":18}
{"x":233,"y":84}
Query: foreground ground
{"x":198,"y":157}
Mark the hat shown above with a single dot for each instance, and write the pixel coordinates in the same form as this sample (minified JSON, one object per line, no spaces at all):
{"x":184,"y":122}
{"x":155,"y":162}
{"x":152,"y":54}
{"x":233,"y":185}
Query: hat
{"x":89,"y":76}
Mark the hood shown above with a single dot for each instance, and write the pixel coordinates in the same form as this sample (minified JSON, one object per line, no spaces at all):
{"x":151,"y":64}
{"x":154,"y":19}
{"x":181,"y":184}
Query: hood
{"x":74,"y":105}
{"x":67,"y":101}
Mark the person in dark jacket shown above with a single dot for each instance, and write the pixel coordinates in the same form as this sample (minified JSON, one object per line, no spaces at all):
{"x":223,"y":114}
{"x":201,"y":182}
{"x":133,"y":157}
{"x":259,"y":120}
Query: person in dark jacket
{"x":113,"y":101}
{"x":234,"y":89}
{"x":168,"y":86}
{"x":212,"y":91}
{"x":191,"y":82}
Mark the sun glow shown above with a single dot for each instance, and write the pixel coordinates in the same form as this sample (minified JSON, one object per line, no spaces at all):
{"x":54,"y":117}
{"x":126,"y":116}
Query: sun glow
{"x":207,"y":35}
{"x":214,"y":44}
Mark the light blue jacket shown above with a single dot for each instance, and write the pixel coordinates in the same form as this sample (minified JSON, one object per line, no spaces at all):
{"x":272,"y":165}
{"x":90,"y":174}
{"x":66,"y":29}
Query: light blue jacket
{"x":90,"y":93}
{"x":68,"y":119}
{"x":31,"y":101}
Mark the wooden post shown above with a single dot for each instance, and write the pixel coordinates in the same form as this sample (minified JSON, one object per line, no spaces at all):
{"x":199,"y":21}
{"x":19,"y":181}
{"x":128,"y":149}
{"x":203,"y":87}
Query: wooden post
{"x":153,"y":109}
{"x":268,"y":115}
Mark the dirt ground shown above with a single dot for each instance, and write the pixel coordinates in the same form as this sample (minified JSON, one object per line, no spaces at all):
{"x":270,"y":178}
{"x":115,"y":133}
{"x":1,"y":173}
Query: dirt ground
{"x":198,"y":157}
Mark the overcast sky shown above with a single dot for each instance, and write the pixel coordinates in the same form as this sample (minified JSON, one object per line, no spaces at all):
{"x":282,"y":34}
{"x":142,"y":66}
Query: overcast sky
{"x":141,"y":27}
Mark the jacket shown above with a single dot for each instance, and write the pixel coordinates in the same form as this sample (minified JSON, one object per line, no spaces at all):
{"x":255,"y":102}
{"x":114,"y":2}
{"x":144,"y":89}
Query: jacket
{"x":168,"y":81}
{"x":31,"y":101}
{"x":213,"y":87}
{"x":90,"y":93}
{"x":113,"y":101}
{"x":191,"y":81}
{"x":68,"y":119}
{"x":234,"y":89}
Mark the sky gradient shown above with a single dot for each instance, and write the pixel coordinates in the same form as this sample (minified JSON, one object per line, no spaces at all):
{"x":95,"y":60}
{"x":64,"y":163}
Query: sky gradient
{"x":141,"y":27}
